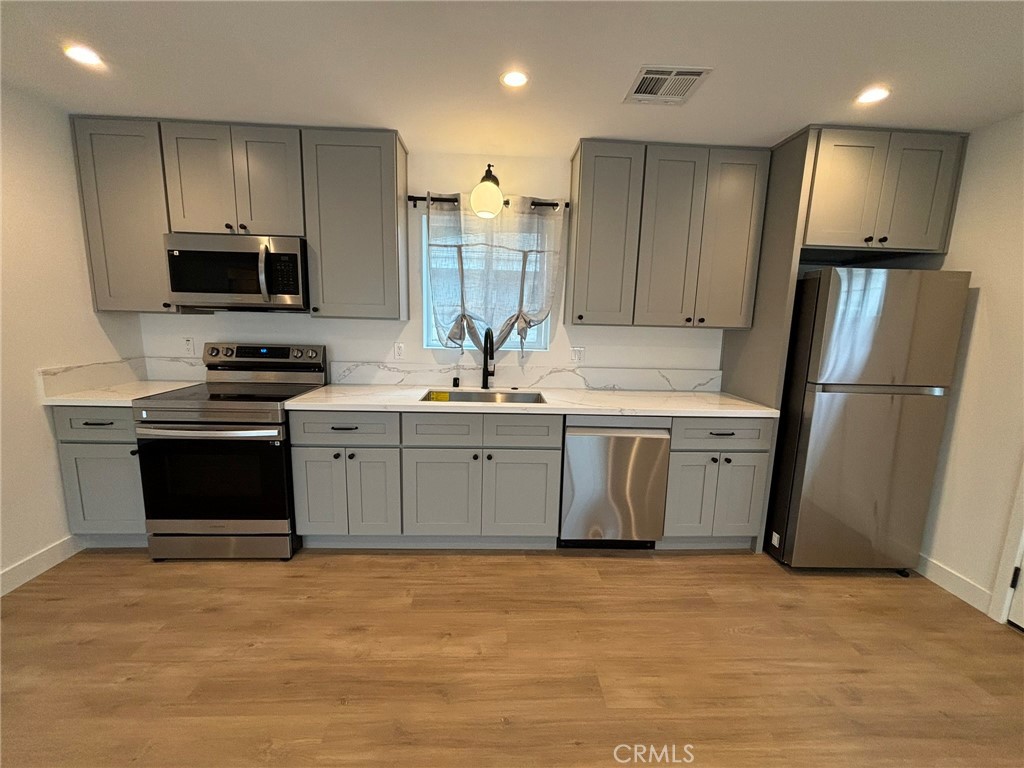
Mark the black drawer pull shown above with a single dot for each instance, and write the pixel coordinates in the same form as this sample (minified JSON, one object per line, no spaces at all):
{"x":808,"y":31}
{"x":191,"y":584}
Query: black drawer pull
{"x":337,"y":456}
{"x":722,"y":434}
{"x":97,"y":423}
{"x":344,"y":429}
{"x":134,"y":452}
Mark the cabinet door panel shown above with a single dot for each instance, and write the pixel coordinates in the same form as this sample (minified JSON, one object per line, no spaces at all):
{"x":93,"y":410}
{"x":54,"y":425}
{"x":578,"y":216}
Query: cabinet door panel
{"x":847,"y":185}
{"x":675,"y":181}
{"x":742,"y":480}
{"x":692,"y":484}
{"x":441,"y":491}
{"x":200,"y":178}
{"x":321,"y":495}
{"x":122,"y":183}
{"x":351,"y":222}
{"x":608,"y":232}
{"x":521,"y":493}
{"x":102,"y":488}
{"x":268,"y":180}
{"x":731,"y":241}
{"x":917,"y":192}
{"x":374,"y":491}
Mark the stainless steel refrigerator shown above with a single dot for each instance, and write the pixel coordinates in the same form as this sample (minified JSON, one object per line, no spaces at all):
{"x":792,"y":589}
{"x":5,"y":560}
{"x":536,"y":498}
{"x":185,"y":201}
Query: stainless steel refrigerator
{"x":871,"y":360}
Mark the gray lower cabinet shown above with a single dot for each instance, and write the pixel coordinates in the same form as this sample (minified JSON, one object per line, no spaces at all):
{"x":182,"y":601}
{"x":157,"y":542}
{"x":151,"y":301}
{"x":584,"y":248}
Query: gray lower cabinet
{"x":521,"y":492}
{"x":120,"y":178}
{"x":355,"y":190}
{"x":715,"y":494}
{"x":442,"y":491}
{"x":102,"y":487}
{"x":342,"y":491}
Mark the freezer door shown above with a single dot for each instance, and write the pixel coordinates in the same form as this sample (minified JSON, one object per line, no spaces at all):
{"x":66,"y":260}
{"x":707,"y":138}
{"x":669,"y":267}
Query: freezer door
{"x":888,"y":326}
{"x":864,"y":479}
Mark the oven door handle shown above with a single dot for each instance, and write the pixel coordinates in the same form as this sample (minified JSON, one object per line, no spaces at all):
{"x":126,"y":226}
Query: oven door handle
{"x":263,"y":433}
{"x":263,"y":272}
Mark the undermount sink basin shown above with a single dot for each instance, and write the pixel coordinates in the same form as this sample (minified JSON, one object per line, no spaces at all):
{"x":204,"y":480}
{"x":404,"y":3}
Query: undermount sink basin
{"x":473,"y":396}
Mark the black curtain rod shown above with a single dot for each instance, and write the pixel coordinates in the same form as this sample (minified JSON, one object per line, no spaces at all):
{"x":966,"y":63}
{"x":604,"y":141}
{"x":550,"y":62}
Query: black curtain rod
{"x":416,"y":199}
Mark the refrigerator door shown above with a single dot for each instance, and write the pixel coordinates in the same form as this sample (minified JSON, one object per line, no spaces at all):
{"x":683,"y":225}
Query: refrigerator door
{"x":887,"y":327}
{"x":863,"y":479}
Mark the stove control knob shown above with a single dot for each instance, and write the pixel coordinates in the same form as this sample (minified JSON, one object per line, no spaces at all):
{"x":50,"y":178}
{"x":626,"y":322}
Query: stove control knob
{"x":214,"y":351}
{"x":312,"y":354}
{"x":229,"y":351}
{"x":296,"y":353}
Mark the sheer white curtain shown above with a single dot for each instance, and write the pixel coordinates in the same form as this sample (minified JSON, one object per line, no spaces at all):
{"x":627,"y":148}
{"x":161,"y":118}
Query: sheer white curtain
{"x":499,"y":273}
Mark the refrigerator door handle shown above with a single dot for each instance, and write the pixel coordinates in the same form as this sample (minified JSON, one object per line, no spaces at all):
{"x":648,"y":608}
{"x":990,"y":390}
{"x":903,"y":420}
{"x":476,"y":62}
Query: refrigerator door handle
{"x":875,"y":389}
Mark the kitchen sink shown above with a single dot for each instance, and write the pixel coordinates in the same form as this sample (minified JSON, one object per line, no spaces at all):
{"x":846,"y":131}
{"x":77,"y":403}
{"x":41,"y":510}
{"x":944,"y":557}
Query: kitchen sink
{"x":481,"y":396}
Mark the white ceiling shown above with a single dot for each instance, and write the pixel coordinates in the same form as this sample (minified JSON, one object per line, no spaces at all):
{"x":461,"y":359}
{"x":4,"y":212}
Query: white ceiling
{"x":430,"y":69}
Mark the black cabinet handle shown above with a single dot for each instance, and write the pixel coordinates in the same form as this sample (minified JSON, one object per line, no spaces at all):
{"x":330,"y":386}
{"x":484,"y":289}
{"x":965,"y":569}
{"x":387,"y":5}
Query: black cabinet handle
{"x":351,"y":455}
{"x":490,"y":457}
{"x":344,"y":429}
{"x":337,"y":455}
{"x":243,"y":227}
{"x":883,"y":239}
{"x":579,"y":317}
{"x":316,"y":309}
{"x":166,"y":305}
{"x":228,"y":226}
{"x":476,"y":457}
{"x":722,"y":434}
{"x":97,"y":423}
{"x":700,"y":319}
{"x":728,"y":461}
{"x":134,"y":451}
{"x":868,"y":239}
{"x":714,"y":459}
{"x":689,"y":319}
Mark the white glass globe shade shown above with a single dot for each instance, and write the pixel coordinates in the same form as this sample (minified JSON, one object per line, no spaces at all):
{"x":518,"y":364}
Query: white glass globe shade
{"x":486,"y":200}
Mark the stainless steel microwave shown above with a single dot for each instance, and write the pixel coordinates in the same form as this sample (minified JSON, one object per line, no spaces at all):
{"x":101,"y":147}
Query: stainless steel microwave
{"x":239,"y":272}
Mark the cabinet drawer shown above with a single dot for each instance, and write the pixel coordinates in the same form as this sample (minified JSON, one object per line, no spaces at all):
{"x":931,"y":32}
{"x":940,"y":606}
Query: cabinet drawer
{"x":437,"y":429}
{"x":343,"y":428}
{"x":86,"y":424}
{"x":522,"y":431}
{"x":717,"y":434}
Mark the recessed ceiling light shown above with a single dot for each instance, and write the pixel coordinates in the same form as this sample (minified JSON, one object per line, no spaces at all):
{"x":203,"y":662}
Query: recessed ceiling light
{"x":873,"y":94}
{"x":84,"y":55}
{"x":514,"y":79}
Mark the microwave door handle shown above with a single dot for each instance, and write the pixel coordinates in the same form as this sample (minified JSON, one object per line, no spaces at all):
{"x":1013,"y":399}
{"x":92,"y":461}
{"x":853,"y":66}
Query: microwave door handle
{"x":263,"y":272}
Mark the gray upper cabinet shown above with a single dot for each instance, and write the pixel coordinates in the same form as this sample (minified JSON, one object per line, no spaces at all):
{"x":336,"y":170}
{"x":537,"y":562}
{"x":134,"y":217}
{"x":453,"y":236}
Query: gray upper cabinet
{"x":876,"y":189}
{"x":102,"y":487}
{"x":695,"y":234}
{"x":442,"y":491}
{"x":200,"y":177}
{"x":675,"y":184}
{"x":731,"y":241}
{"x":521,"y":492}
{"x":233,"y":179}
{"x":125,"y":212}
{"x":608,"y":203}
{"x":916,"y":203}
{"x":268,"y":180}
{"x":355,"y":185}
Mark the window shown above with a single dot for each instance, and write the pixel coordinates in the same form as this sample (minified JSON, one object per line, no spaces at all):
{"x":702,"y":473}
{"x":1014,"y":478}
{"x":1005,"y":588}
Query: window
{"x":537,"y":338}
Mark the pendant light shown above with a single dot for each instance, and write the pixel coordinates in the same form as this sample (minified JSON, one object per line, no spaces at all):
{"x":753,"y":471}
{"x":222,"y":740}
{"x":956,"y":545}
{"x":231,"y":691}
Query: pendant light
{"x":486,"y":199}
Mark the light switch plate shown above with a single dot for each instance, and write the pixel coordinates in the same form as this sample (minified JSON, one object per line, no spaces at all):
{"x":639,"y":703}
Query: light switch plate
{"x":775,"y":539}
{"x":576,"y":354}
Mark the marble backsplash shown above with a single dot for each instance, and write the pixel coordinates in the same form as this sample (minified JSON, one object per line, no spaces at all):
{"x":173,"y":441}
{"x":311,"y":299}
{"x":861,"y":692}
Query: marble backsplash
{"x":75,"y":378}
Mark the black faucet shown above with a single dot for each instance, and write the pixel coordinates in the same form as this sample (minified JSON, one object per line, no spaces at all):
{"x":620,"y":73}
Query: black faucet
{"x":488,"y":358}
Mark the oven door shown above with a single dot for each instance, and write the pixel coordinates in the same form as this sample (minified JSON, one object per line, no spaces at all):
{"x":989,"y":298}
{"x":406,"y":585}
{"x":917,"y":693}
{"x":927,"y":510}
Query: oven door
{"x":237,"y":271}
{"x":222,"y":478}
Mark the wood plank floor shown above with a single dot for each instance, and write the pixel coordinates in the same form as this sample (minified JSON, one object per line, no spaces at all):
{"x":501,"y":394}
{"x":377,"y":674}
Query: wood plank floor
{"x":477,"y":659}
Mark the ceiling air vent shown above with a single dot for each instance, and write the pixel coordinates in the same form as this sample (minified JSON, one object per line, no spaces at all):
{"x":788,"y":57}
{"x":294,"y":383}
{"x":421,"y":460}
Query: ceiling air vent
{"x":665,"y":85}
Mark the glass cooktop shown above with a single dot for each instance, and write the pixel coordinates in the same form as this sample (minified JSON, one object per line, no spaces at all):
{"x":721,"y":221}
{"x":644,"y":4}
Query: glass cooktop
{"x":215,"y":393}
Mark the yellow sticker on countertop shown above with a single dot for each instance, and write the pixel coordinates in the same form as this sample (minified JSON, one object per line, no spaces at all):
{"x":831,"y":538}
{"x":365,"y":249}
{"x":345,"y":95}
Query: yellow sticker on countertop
{"x":440,"y":397}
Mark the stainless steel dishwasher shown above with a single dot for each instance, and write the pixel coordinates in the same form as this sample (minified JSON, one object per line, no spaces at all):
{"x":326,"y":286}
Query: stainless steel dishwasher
{"x":613,"y":485}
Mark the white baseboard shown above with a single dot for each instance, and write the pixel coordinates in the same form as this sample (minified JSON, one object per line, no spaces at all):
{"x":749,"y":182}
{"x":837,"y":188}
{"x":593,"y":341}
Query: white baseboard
{"x":13,"y":576}
{"x":971,"y":593}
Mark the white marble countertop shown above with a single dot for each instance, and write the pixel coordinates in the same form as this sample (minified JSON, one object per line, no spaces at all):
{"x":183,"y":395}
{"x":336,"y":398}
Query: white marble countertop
{"x":117,"y":395}
{"x":338,"y":397}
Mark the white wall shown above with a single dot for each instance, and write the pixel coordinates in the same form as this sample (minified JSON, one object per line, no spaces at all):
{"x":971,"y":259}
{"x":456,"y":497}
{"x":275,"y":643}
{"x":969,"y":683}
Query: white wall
{"x":47,"y":320}
{"x":983,"y":455}
{"x":373,"y":340}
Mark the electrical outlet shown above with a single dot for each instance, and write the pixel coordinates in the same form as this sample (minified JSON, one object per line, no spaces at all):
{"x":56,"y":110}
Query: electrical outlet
{"x":576,"y":354}
{"x":189,"y":346}
{"x":399,"y":350}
